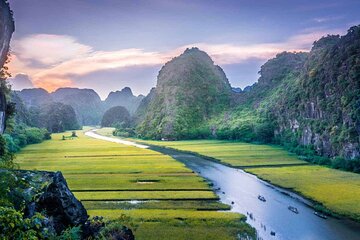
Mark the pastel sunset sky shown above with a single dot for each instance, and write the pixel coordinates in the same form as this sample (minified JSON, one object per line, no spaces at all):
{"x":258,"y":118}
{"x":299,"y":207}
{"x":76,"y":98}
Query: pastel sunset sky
{"x":110,"y":44}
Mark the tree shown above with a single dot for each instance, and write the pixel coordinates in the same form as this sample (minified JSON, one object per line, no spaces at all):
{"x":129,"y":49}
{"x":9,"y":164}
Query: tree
{"x":116,"y":116}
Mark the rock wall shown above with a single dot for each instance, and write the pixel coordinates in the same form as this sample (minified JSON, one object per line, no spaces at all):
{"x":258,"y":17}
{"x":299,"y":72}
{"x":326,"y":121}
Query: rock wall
{"x":6,"y":30}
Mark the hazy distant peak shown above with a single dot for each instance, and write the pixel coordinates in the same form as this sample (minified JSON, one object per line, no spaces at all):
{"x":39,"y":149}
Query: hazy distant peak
{"x":20,"y":81}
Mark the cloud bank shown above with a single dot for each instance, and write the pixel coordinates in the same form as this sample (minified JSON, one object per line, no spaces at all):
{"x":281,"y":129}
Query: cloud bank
{"x":52,"y":61}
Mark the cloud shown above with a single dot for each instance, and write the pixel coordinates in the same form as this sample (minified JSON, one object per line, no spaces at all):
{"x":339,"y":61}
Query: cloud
{"x":62,"y":58}
{"x":49,"y":49}
{"x":327,"y":19}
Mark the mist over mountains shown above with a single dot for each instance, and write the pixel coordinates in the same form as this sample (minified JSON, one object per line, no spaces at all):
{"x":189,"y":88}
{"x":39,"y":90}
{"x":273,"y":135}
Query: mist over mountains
{"x":88,"y":106}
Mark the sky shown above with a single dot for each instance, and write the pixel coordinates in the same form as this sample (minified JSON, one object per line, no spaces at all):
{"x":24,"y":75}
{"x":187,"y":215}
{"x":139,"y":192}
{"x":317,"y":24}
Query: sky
{"x":110,"y":44}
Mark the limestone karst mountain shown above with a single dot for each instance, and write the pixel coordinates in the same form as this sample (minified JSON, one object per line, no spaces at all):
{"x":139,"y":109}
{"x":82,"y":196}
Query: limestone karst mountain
{"x":190,"y":90}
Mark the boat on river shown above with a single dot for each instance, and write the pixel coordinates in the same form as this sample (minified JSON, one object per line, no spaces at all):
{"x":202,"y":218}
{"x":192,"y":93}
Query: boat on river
{"x":320,"y":215}
{"x":293,"y":209}
{"x":262,"y":198}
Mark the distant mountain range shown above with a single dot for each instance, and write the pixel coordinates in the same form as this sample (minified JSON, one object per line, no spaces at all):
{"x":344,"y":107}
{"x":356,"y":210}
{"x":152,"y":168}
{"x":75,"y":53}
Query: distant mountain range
{"x":88,"y":106}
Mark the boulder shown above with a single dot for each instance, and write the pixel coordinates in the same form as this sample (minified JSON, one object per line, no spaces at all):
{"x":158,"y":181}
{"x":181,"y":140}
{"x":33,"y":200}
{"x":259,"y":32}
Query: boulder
{"x":60,"y":204}
{"x":47,"y":193}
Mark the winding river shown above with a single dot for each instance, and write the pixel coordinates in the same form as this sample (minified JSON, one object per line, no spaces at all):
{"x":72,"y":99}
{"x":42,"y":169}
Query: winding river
{"x":240,"y":190}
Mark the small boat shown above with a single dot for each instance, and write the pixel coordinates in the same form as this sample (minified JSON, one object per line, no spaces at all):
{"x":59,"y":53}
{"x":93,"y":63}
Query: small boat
{"x":272,"y":233}
{"x":293,"y":209}
{"x":320,"y":215}
{"x":261,"y":198}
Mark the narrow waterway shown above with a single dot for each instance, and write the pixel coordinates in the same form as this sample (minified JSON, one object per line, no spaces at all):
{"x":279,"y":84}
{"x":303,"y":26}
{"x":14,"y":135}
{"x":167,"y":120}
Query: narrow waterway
{"x":241,"y":190}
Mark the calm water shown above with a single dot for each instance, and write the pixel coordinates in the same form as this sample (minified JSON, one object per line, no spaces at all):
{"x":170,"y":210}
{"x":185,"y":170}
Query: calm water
{"x":273,"y":215}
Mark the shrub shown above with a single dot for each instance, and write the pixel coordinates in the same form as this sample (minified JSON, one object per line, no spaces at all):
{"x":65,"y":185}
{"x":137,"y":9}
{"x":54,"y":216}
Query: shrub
{"x":13,"y":225}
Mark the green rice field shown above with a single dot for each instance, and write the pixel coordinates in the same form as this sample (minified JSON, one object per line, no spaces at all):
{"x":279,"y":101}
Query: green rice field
{"x":163,"y":198}
{"x":236,"y":154}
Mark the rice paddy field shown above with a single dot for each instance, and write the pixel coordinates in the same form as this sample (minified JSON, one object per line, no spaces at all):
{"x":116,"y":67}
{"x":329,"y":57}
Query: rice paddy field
{"x":236,"y":154}
{"x":336,"y":190}
{"x":163,"y":198}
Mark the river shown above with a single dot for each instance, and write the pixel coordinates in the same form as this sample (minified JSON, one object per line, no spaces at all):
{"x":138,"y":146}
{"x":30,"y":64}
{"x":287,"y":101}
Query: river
{"x":242,"y":189}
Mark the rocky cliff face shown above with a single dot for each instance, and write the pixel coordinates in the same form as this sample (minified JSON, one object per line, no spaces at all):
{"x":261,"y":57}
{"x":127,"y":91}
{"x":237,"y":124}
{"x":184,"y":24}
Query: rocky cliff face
{"x":124,"y":98}
{"x":7,"y":27}
{"x":143,"y":106}
{"x":310,"y":99}
{"x":326,"y":113}
{"x":6,"y":30}
{"x":190,"y":89}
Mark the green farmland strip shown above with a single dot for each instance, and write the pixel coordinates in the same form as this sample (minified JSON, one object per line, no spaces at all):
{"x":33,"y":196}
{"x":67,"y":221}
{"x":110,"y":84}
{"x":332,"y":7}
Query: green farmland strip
{"x":182,"y":205}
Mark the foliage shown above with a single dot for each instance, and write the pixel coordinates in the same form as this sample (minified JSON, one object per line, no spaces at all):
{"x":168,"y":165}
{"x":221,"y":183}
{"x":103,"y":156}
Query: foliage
{"x":13,"y":225}
{"x":6,"y":156}
{"x":116,"y":116}
{"x":71,"y":233}
{"x":58,"y":117}
{"x":23,"y":135}
{"x":55,"y":117}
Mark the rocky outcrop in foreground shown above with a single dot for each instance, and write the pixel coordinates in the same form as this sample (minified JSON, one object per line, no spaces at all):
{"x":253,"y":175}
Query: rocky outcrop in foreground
{"x":47,"y":193}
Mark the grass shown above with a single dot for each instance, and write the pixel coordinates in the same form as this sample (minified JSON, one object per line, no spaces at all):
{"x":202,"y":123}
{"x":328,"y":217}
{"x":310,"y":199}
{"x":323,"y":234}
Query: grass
{"x":141,"y":195}
{"x":184,"y":224}
{"x":156,"y":204}
{"x":180,"y":204}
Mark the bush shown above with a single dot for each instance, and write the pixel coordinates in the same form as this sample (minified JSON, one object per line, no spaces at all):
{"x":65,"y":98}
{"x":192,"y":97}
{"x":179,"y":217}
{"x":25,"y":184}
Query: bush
{"x":6,"y":157}
{"x":73,"y":233}
{"x":34,"y":135}
{"x":13,"y":225}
